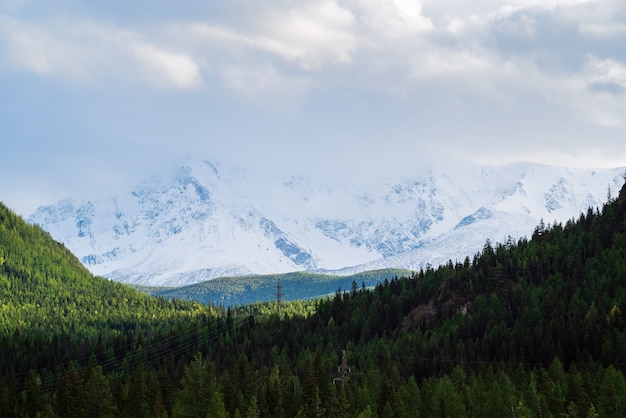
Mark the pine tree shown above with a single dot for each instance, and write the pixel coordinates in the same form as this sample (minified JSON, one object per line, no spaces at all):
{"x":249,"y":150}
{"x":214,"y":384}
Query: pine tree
{"x":7,"y":397}
{"x":197,"y":387}
{"x":216,"y":406}
{"x":97,"y":399}
{"x":311,"y":402}
{"x":409,"y":400}
{"x":34,"y":399}
{"x":343,"y":404}
{"x":69,"y":394}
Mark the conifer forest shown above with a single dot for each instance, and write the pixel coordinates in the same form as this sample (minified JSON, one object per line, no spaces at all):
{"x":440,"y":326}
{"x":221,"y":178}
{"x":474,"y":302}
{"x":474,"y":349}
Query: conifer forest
{"x":526,"y":328}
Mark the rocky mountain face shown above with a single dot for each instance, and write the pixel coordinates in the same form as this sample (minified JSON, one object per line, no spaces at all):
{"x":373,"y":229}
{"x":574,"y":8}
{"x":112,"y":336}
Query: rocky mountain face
{"x":210,"y":220}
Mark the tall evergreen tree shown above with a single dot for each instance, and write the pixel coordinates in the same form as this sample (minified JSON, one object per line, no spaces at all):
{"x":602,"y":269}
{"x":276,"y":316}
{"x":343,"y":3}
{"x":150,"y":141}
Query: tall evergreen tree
{"x":197,"y":388}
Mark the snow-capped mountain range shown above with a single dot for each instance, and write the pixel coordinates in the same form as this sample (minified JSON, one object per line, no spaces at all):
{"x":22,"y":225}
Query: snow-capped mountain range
{"x":209,"y":220}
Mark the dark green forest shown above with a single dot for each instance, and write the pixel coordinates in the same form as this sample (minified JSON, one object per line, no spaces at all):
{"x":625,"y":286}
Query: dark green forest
{"x":526,"y":328}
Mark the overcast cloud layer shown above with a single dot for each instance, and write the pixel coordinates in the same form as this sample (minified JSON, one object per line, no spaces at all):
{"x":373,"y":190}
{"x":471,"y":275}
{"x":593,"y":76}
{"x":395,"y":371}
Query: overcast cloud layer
{"x":94,"y":95}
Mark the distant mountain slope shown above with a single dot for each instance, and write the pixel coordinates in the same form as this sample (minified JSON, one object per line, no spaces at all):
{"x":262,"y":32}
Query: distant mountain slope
{"x":209,"y":220}
{"x":245,"y":290}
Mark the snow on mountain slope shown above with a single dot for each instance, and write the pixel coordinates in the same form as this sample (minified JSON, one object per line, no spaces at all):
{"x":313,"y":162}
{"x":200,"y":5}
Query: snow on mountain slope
{"x":209,"y":220}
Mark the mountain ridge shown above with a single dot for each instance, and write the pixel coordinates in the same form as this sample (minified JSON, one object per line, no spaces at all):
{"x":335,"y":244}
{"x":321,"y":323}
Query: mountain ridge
{"x":210,"y":220}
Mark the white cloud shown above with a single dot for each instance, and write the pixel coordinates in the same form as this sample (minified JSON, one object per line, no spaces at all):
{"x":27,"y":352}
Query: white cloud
{"x":310,"y":35}
{"x":85,"y":51}
{"x":607,"y":72}
{"x":603,"y":96}
{"x":448,"y":62}
{"x":405,"y":49}
{"x":601,"y":30}
{"x":455,"y":25}
{"x":315,"y":33}
{"x":166,"y":68}
{"x":477,"y":76}
{"x":264,"y":81}
{"x":392,"y":18}
{"x":33,"y":48}
{"x":522,"y":27}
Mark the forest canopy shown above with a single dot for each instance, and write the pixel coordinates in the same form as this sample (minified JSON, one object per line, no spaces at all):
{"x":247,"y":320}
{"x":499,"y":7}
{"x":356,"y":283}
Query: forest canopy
{"x":532,"y":327}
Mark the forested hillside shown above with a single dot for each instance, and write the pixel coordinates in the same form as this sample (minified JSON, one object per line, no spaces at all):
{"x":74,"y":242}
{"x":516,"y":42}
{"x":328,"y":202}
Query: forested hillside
{"x":246,"y":290}
{"x":531,"y":328}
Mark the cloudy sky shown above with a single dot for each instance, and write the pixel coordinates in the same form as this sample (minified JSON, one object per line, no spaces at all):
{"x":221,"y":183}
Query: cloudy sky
{"x":94,"y":95}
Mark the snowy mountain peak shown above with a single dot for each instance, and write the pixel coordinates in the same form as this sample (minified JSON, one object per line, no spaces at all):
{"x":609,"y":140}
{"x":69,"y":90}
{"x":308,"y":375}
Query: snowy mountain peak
{"x":207,"y":219}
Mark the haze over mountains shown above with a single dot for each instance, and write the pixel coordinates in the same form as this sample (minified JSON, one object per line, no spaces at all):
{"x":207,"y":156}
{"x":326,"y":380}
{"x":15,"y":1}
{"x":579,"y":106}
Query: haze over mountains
{"x":208,"y":219}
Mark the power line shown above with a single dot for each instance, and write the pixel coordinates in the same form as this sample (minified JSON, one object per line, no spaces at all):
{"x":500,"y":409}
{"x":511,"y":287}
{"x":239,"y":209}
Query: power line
{"x":152,"y":356}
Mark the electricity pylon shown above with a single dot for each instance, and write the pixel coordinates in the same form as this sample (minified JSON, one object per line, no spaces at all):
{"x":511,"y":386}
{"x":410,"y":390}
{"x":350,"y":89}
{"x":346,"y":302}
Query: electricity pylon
{"x":344,"y":369}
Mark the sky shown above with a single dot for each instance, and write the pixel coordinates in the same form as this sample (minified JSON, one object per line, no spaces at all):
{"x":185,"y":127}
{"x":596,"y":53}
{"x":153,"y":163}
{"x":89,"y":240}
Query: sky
{"x":97,"y":95}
